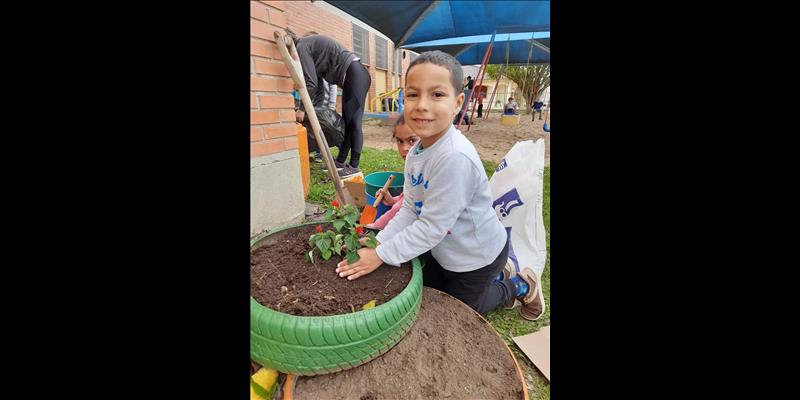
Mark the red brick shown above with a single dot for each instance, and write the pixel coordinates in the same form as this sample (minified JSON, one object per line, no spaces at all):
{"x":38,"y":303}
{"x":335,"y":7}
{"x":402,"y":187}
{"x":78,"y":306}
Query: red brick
{"x":262,"y":30}
{"x":263,"y":84}
{"x":286,"y":116}
{"x":263,"y":117}
{"x":253,"y":101}
{"x":271,"y":68}
{"x":261,"y":49}
{"x":258,"y":11}
{"x":264,"y":148}
{"x":277,"y":4}
{"x":272,"y":102}
{"x":279,"y":130}
{"x":285,"y":85}
{"x":274,"y":52}
{"x":255,"y":134}
{"x":290,"y":142}
{"x":277,"y":18}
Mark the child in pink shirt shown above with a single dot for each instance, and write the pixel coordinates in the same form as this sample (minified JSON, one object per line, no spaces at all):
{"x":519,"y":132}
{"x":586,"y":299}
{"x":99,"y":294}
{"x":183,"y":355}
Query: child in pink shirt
{"x":404,"y":138}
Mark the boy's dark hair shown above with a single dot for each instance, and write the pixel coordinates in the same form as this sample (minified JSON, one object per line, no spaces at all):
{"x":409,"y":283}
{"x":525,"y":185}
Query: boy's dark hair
{"x":510,"y":98}
{"x":442,"y":59}
{"x":400,"y":121}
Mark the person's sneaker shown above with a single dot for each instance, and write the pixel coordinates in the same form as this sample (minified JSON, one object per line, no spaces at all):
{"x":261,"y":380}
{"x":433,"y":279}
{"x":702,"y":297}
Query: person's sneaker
{"x":533,"y":302}
{"x":508,"y":272}
{"x":339,"y":166}
{"x":318,"y":158}
{"x":348,"y":171}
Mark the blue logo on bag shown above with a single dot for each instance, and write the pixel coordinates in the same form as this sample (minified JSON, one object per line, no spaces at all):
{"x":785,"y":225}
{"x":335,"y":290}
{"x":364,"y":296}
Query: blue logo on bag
{"x":507,"y":202}
{"x":501,"y":166}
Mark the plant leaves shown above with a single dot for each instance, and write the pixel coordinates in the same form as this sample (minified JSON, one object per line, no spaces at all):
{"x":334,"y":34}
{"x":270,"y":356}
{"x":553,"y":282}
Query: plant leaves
{"x":326,"y":254}
{"x":328,"y":214}
{"x":371,"y":241}
{"x":352,"y":243}
{"x":322,"y":244}
{"x":369,"y":305}
{"x":337,"y":247}
{"x":310,"y":256}
{"x":351,"y":218}
{"x":338,"y":225}
{"x":352,"y":257}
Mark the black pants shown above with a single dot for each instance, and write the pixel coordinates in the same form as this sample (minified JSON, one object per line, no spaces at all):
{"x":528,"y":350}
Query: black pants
{"x":354,"y":98}
{"x":477,"y":289}
{"x":480,"y":110}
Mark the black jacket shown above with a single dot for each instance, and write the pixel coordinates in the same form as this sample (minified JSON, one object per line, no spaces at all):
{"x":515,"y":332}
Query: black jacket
{"x":323,"y":57}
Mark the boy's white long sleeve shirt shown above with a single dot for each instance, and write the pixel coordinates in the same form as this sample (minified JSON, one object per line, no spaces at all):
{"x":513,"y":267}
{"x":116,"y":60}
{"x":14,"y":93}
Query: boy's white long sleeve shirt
{"x":447,"y":208}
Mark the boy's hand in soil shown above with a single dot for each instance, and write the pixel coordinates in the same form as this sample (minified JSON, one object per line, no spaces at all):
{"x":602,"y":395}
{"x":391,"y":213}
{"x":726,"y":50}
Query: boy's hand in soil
{"x":368,"y":261}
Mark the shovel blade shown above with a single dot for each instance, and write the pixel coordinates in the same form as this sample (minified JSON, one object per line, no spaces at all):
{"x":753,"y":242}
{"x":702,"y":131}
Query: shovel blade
{"x":368,"y":215}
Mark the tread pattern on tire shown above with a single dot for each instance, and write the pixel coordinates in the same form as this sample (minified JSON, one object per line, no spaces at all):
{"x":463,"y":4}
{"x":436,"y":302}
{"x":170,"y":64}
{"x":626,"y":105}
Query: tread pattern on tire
{"x":320,"y":345}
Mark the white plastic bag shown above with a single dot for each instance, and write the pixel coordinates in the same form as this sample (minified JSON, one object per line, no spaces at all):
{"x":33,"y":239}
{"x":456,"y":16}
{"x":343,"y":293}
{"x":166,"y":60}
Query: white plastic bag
{"x":518,"y":187}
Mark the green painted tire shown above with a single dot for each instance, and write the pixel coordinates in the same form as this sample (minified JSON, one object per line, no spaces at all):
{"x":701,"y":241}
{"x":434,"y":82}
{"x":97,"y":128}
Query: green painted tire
{"x":320,"y":345}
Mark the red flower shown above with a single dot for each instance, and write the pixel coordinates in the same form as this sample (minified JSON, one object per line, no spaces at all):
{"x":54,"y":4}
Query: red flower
{"x":335,"y":203}
{"x":360,"y":230}
{"x":319,"y":228}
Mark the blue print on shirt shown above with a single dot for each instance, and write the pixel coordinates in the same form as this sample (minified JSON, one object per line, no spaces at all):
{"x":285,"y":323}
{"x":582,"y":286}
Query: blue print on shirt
{"x":416,"y":181}
{"x":418,"y":207}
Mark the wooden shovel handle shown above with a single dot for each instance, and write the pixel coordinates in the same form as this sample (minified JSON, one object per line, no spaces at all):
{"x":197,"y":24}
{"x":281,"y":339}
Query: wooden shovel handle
{"x":385,"y":186}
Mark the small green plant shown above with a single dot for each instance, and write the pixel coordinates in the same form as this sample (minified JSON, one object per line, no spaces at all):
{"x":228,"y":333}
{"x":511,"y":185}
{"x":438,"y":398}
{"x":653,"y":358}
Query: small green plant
{"x":344,"y":236}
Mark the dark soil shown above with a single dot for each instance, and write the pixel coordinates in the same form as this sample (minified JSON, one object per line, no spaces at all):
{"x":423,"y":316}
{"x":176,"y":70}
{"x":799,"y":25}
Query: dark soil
{"x":450,"y":352}
{"x":282,"y":279}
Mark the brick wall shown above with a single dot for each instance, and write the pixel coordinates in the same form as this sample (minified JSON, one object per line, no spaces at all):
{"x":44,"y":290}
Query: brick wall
{"x":272,"y":128}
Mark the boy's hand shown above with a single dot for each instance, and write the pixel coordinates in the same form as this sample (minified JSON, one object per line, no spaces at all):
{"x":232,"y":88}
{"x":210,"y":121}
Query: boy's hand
{"x":368,"y":261}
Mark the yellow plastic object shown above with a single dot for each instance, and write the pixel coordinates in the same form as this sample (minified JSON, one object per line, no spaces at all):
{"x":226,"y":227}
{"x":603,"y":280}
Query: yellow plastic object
{"x":266,"y":379}
{"x":509,"y":120}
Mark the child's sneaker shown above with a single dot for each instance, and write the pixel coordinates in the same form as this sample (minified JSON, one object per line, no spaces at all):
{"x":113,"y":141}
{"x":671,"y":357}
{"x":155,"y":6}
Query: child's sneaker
{"x":533,"y":302}
{"x":348,"y":171}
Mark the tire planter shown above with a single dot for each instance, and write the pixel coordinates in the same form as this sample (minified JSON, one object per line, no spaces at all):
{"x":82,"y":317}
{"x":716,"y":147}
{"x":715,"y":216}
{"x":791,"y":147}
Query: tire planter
{"x":319,"y":345}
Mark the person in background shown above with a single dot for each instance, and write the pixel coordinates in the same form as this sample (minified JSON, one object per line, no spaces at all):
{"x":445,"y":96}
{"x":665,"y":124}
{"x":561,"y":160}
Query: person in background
{"x":323,"y":57}
{"x":510,"y":107}
{"x":405,"y":139}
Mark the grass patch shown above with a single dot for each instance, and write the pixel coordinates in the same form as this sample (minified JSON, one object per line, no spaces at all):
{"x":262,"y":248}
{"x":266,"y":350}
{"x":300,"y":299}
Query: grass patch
{"x":372,"y":160}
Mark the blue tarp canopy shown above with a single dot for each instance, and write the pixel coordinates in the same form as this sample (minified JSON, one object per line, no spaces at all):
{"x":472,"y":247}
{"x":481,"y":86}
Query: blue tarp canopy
{"x":409,"y":22}
{"x":519,"y":47}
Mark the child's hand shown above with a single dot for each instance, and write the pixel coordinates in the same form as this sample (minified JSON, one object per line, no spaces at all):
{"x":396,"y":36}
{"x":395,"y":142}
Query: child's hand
{"x":387,"y":197}
{"x":368,"y":261}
